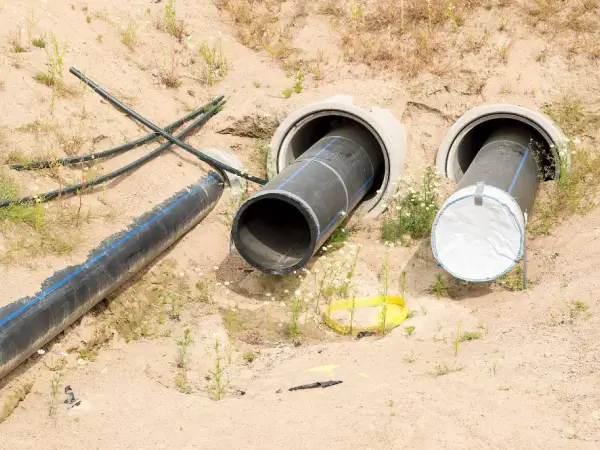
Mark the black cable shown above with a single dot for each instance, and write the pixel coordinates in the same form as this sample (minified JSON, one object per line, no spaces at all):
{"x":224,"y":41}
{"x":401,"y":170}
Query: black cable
{"x":116,"y":150}
{"x":207,"y":159}
{"x":109,"y":176}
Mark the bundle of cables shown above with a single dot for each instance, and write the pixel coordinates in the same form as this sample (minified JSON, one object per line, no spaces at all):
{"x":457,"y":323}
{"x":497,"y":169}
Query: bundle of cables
{"x":199,"y":117}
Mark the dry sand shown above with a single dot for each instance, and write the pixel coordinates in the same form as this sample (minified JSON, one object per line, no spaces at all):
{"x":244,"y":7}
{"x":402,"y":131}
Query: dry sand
{"x":530,"y":382}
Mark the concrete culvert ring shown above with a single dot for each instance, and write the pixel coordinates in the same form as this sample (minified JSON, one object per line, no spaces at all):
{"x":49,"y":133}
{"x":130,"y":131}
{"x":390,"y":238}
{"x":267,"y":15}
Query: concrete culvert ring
{"x":464,"y":138}
{"x":307,"y":125}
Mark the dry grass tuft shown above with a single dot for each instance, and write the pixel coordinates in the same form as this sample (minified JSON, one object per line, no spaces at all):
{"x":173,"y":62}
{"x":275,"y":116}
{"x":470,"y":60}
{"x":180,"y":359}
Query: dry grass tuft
{"x":397,"y":34}
{"x":577,"y":191}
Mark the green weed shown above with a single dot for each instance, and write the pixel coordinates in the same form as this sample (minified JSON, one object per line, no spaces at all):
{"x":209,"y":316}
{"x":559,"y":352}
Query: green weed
{"x":216,"y":65}
{"x":219,"y":385}
{"x":470,"y":336}
{"x":412,"y":211}
{"x":183,"y":361}
{"x":129,"y":36}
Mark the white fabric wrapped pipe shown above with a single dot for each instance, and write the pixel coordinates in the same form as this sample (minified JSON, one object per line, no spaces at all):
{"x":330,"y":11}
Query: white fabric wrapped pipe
{"x":479,"y":233}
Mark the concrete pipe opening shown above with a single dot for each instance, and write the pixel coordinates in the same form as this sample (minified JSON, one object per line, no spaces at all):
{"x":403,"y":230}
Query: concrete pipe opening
{"x":497,"y":154}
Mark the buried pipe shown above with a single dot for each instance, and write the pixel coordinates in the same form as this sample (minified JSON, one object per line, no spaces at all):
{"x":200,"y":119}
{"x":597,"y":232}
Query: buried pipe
{"x":327,"y":160}
{"x":498,"y":154}
{"x":28,"y":324}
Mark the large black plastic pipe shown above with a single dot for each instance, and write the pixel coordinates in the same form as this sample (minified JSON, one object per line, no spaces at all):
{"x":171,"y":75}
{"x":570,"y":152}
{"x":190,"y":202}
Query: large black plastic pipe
{"x":506,"y":161}
{"x":29,"y":323}
{"x":280,"y":227}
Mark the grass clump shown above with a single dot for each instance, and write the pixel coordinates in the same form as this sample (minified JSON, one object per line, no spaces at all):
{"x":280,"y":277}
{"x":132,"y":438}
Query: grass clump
{"x":576,"y":191}
{"x":216,"y":65}
{"x":470,"y":336}
{"x":443,"y":369}
{"x":396,"y":35}
{"x":174,"y":26}
{"x":167,"y":72}
{"x":129,"y":36}
{"x":249,"y":357}
{"x":39,"y":42}
{"x":53,"y":77}
{"x":412,"y":210}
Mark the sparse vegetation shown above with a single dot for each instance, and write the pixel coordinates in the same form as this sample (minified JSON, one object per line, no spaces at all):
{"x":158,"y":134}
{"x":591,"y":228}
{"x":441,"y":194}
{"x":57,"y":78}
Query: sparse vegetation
{"x":183,"y":361}
{"x":129,"y":36}
{"x":409,"y":330}
{"x":171,"y":24}
{"x":576,"y":191}
{"x":413,"y":209}
{"x":167,"y":72}
{"x":59,"y":373}
{"x":39,"y":42}
{"x":439,"y":286}
{"x":249,"y":357}
{"x":215,"y":62}
{"x":218,"y":385}
{"x":443,"y":369}
{"x":470,"y":336}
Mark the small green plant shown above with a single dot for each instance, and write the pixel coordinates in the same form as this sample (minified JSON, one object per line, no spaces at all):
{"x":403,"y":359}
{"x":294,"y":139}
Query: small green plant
{"x":512,"y":280}
{"x":443,"y":369}
{"x":53,"y":77}
{"x":219,"y":385}
{"x":39,"y":42}
{"x":287,"y":92}
{"x":439,"y":286}
{"x":249,"y":357}
{"x":183,"y":361}
{"x":16,"y":45}
{"x":100,"y":38}
{"x":299,"y":83}
{"x":167,"y":73}
{"x":470,"y":336}
{"x":203,"y":289}
{"x":411,"y":313}
{"x":174,"y":26}
{"x":296,"y":308}
{"x":59,"y":369}
{"x":88,"y":18}
{"x":457,"y":340}
{"x":578,"y":308}
{"x":409,"y":330}
{"x":129,"y":36}
{"x":410,"y":358}
{"x":216,"y":65}
{"x":412,"y":211}
{"x":384,"y":277}
{"x":403,"y":285}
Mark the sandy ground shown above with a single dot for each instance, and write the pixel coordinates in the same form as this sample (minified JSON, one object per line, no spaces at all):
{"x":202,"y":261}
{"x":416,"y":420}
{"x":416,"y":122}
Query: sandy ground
{"x":529,"y":382}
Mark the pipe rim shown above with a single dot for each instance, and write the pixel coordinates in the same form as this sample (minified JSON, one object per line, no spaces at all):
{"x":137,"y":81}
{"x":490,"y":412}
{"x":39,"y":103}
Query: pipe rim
{"x":446,"y":158}
{"x":307,"y":115}
{"x":301,"y":206}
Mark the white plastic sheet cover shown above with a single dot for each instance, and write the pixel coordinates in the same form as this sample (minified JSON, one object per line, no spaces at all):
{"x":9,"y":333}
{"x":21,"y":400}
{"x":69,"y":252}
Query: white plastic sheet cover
{"x":478,"y":240}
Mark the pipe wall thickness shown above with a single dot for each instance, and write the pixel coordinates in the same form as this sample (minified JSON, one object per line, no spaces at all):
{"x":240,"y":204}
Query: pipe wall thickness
{"x":280,"y":228}
{"x":28,"y":324}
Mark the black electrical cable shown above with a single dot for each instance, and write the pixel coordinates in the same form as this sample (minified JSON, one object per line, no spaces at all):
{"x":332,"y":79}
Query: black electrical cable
{"x":109,"y":176}
{"x":207,"y":159}
{"x":116,"y":150}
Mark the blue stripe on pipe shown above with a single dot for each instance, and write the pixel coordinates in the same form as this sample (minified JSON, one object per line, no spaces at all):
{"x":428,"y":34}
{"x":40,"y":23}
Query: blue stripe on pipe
{"x":292,"y":176}
{"x":337,"y":216}
{"x":514,"y":181}
{"x":87,"y":264}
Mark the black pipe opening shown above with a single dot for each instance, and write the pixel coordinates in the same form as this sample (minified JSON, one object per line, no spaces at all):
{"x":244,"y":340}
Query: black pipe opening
{"x":273,"y":233}
{"x":475,"y":138}
{"x":315,"y":128}
{"x":282,"y":226}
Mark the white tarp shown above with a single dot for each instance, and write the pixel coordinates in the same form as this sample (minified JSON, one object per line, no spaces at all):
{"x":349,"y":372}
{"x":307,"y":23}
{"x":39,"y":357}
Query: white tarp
{"x":478,"y":234}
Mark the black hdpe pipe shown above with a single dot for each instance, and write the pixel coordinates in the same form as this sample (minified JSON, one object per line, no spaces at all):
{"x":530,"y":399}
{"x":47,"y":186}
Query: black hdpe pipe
{"x":506,"y":161}
{"x":28,"y":324}
{"x":116,"y":150}
{"x":281,"y":227}
{"x":80,"y":187}
{"x":216,"y":164}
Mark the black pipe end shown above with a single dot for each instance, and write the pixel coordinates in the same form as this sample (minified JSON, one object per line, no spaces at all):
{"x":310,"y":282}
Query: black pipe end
{"x":474,"y":139}
{"x":275,"y":232}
